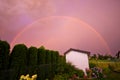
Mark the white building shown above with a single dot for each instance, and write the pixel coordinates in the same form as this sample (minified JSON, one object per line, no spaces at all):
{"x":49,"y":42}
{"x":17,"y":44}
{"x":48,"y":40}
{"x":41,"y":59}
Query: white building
{"x":78,"y":58}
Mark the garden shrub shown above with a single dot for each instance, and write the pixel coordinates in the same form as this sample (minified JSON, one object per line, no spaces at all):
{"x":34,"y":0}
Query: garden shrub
{"x":71,"y":70}
{"x":80,"y":73}
{"x":97,"y":73}
{"x":106,"y":70}
{"x":92,"y":65}
{"x":61,"y":77}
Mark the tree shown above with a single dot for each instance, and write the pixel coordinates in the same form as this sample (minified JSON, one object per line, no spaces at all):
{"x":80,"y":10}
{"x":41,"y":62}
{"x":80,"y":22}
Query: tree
{"x":4,"y":54}
{"x":101,"y":57}
{"x":61,"y":64}
{"x":107,"y":57}
{"x":118,"y":55}
{"x":41,"y":55}
{"x":18,"y":60}
{"x":48,"y":57}
{"x":19,"y":56}
{"x":32,"y":60}
{"x":41,"y":63}
{"x":32,"y":56}
{"x":56,"y":53}
{"x":94,"y":56}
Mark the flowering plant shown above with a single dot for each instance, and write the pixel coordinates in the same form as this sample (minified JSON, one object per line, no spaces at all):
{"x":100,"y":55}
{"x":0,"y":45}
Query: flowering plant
{"x":97,"y":73}
{"x":27,"y":77}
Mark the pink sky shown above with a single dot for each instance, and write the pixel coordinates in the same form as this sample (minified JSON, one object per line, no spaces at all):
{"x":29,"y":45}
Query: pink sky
{"x":58,"y":33}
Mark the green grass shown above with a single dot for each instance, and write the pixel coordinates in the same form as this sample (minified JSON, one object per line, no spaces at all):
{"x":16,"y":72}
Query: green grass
{"x":113,"y":76}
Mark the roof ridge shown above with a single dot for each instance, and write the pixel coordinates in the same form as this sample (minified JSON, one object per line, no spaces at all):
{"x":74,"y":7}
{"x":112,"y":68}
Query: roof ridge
{"x":72,"y":49}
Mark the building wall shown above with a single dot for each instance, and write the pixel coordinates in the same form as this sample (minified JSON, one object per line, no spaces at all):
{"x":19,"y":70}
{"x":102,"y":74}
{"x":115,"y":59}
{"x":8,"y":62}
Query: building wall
{"x":78,"y":59}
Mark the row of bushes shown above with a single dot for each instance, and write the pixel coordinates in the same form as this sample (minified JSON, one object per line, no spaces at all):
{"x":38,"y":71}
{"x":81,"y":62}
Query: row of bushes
{"x":23,"y":60}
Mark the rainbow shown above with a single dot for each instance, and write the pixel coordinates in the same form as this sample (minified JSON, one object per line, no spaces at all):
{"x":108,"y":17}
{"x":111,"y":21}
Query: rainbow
{"x":63,"y":17}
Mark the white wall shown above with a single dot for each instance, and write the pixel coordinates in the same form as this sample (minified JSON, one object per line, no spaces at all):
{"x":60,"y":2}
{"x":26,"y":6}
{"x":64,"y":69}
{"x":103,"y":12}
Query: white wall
{"x":80,"y":60}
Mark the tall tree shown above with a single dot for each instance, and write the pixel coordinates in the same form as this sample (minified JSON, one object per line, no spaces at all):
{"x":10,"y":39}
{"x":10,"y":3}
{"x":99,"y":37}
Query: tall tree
{"x":32,"y":60}
{"x":41,"y":55}
{"x":19,"y":56}
{"x":18,"y":60}
{"x":48,"y":57}
{"x":118,"y":55}
{"x":41,"y":63}
{"x":4,"y":54}
{"x":32,"y":54}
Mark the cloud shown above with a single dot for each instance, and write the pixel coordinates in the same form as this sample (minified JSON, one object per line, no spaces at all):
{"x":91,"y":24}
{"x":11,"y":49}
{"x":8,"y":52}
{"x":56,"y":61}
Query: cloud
{"x":31,"y":7}
{"x":14,"y":12}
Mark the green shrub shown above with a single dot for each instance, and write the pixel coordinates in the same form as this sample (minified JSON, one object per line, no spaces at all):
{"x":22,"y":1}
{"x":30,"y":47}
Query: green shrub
{"x":71,"y":70}
{"x":61,"y":77}
{"x":106,"y":70}
{"x":92,"y":65}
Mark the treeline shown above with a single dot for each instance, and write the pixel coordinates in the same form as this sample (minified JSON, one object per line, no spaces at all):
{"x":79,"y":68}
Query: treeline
{"x":103,"y":57}
{"x":23,"y":60}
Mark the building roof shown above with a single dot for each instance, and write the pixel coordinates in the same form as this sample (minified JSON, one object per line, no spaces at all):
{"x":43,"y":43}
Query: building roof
{"x":77,"y":50}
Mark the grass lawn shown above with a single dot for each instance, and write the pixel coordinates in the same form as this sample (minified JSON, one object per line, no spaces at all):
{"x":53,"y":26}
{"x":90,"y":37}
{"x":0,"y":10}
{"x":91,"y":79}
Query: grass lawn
{"x":113,"y":76}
